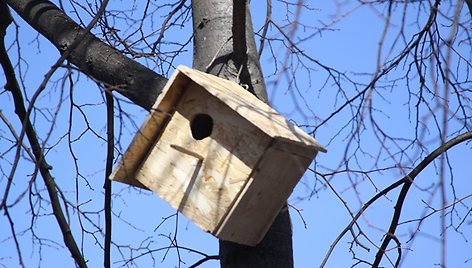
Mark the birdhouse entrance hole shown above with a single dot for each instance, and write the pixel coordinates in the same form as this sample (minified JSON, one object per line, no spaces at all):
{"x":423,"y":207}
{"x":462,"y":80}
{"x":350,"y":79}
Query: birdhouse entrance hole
{"x":201,"y":126}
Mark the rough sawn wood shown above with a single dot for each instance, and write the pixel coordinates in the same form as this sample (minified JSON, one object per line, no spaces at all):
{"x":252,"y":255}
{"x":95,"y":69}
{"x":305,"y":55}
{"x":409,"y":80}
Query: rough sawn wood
{"x":231,"y":183}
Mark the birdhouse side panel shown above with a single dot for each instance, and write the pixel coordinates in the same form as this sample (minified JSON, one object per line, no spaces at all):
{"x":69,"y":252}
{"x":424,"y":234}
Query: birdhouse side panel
{"x":203,"y":177}
{"x":262,"y":198}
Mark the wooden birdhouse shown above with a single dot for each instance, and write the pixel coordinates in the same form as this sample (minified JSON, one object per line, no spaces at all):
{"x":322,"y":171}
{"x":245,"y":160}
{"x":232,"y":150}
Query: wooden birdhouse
{"x":219,"y":155}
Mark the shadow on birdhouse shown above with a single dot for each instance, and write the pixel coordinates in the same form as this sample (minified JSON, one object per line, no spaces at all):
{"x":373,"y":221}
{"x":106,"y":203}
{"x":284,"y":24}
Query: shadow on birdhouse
{"x":219,"y":155}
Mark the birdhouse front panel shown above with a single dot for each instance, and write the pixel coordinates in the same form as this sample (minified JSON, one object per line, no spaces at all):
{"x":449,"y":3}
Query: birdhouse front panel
{"x":216,"y":153}
{"x":201,"y":176}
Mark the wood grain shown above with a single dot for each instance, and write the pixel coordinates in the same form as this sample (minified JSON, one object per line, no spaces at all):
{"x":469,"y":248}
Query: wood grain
{"x":231,"y":183}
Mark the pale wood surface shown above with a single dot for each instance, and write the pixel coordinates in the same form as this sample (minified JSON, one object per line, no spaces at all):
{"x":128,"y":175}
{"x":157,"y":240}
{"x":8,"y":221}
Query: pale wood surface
{"x":203,"y":191}
{"x":243,"y":102}
{"x":161,"y":112}
{"x":263,"y":196}
{"x":232,"y":183}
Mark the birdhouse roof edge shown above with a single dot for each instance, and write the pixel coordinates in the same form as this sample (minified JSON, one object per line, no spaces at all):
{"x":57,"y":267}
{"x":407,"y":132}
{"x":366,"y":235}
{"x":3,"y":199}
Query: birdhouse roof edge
{"x":280,"y":126}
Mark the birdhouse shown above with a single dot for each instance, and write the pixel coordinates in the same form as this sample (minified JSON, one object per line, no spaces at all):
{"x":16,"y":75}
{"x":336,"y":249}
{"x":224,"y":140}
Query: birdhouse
{"x":219,"y":155}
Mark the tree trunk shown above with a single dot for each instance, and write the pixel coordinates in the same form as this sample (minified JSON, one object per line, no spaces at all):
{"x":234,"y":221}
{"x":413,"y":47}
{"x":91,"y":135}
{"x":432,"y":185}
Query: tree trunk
{"x":215,"y":52}
{"x":214,"y":42}
{"x":93,"y":57}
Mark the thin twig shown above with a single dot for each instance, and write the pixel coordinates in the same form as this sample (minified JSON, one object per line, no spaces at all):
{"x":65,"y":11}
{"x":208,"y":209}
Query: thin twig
{"x":406,"y":182}
{"x":23,"y":114}
{"x":165,"y":22}
{"x":107,"y":183}
{"x":266,"y":26}
{"x":207,"y":258}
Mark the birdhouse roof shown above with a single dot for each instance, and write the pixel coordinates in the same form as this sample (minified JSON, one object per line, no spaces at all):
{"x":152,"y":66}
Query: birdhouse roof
{"x":250,"y":107}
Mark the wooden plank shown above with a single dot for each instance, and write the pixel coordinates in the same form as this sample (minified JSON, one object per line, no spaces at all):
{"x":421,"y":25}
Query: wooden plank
{"x":202,"y":178}
{"x":248,"y":106}
{"x":150,"y":130}
{"x":263,"y":196}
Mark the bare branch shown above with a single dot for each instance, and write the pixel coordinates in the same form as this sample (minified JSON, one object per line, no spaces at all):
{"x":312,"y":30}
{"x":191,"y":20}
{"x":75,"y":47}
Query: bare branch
{"x":165,"y":24}
{"x":12,"y":86}
{"x":131,"y":79}
{"x":407,"y":181}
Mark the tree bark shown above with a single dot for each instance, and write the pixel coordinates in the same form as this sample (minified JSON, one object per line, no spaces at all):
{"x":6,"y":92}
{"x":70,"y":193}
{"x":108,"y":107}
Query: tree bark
{"x":214,"y":53}
{"x":213,"y":45}
{"x":93,"y":57}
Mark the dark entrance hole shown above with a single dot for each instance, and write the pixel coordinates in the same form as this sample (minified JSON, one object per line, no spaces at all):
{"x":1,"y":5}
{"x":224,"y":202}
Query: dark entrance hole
{"x":201,"y":126}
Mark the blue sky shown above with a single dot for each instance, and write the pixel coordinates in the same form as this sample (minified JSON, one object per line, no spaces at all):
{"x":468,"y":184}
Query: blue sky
{"x":143,"y":220}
